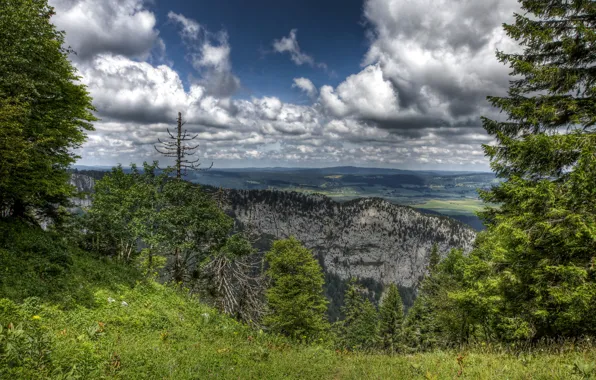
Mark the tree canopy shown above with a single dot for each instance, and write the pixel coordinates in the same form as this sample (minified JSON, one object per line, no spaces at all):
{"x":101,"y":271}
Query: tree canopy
{"x":541,"y":240}
{"x":44,"y":111}
{"x":296,"y":300}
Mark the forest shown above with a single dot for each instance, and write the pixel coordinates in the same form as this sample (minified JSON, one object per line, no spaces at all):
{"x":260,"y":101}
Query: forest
{"x":154,"y":280}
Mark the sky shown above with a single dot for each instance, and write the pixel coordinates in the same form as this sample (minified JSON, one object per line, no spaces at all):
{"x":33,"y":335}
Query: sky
{"x":310,"y":83}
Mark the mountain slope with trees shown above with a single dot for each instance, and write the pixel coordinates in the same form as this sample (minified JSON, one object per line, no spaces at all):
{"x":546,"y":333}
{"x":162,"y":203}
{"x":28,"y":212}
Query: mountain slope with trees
{"x":365,"y":238}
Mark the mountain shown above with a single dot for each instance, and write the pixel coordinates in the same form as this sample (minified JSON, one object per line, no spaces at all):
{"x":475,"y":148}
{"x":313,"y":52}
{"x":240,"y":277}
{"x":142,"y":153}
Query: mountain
{"x":372,"y":239}
{"x":369,"y":238}
{"x":365,"y":238}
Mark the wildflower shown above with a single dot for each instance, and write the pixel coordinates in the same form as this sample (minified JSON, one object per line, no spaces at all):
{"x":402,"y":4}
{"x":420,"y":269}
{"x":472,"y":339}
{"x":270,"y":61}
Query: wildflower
{"x":36,"y":317}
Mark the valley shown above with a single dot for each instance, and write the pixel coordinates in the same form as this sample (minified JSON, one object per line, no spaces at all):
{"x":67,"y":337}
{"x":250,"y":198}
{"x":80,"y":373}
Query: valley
{"x":454,"y":194}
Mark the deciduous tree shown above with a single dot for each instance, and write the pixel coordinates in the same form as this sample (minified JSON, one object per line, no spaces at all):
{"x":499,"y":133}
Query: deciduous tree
{"x":44,"y":110}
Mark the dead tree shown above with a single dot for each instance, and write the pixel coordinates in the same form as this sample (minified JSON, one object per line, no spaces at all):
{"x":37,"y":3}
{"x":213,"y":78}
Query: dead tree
{"x":177,"y":149}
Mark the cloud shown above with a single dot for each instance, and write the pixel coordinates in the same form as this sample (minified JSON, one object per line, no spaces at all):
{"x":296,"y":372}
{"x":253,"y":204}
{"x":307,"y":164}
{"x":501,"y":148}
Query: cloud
{"x":415,"y":102}
{"x":290,"y":45}
{"x":190,"y":28}
{"x":122,"y":27}
{"x":305,"y":84}
{"x":130,"y":91}
{"x":443,"y":58}
{"x":366,"y":95}
{"x":209,"y":54}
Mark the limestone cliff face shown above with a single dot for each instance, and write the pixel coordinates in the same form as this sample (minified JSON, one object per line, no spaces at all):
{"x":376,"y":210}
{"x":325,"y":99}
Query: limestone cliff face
{"x":84,"y":185}
{"x":365,"y":238}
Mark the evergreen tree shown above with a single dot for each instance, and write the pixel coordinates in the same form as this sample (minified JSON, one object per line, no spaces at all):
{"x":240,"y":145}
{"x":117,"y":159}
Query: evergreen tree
{"x":435,"y":257}
{"x":295,"y":298}
{"x":359,"y":330}
{"x":445,"y":314}
{"x":44,"y":111}
{"x":391,"y":313}
{"x":541,"y":238}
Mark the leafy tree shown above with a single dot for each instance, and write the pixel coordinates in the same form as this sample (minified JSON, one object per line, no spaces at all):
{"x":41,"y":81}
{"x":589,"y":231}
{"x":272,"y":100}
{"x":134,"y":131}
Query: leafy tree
{"x":125,"y":211}
{"x":193,"y":226}
{"x":44,"y":111}
{"x":359,"y":330}
{"x":391,"y":313}
{"x":175,"y":219}
{"x":541,"y":238}
{"x":295,"y":298}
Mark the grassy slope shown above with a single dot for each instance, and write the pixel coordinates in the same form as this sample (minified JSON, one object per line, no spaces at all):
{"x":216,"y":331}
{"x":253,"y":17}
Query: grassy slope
{"x":453,"y":207}
{"x":165,"y":333}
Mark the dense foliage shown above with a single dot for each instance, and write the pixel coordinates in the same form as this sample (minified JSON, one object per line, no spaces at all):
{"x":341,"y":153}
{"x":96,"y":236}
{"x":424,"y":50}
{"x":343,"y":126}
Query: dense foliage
{"x":537,"y":275}
{"x":171,"y":218}
{"x":391,"y":315}
{"x":359,"y":330}
{"x":295,"y":298}
{"x":44,"y":111}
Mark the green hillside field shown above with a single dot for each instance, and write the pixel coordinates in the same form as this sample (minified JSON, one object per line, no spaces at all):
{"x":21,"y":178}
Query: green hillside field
{"x":66,"y":314}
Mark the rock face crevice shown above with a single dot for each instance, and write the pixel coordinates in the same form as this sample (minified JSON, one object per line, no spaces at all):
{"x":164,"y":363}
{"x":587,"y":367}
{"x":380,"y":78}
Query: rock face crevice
{"x":365,"y":238}
{"x":84,"y":185}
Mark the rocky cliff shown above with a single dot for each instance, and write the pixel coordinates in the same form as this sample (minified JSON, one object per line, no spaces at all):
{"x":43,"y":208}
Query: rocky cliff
{"x":365,"y":238}
{"x":84,"y":185}
{"x":372,"y":239}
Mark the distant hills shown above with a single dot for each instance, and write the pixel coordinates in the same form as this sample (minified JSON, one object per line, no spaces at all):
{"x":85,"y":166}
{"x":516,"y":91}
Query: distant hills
{"x":451,"y":193}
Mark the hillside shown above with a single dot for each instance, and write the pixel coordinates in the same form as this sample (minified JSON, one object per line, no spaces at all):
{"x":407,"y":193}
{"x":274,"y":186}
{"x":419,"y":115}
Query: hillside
{"x":65,"y":314}
{"x":371,"y":239}
{"x":364,"y":238}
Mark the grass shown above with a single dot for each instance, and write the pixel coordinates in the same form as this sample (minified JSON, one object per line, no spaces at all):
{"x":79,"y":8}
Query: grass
{"x":453,"y":207}
{"x":100,"y":319}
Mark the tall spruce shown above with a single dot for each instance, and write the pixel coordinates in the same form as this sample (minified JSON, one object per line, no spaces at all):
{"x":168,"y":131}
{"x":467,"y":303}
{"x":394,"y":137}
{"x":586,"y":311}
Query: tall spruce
{"x":541,"y":239}
{"x":391,"y":313}
{"x":44,"y":111}
{"x":359,"y":330}
{"x":435,"y":257}
{"x":295,"y":298}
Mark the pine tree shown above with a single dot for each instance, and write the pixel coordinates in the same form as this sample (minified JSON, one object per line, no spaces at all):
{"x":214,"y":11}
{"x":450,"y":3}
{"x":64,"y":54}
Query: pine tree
{"x":44,"y":111}
{"x":359,"y":330}
{"x":391,"y":313}
{"x":295,"y":298}
{"x":541,"y":239}
{"x":435,"y":258}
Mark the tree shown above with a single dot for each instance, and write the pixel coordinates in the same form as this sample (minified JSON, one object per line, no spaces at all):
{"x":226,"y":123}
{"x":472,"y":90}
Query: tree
{"x":359,"y":330}
{"x":232,"y":279}
{"x":541,"y":238}
{"x":447,"y":311}
{"x":173,"y":218}
{"x":193,"y":226}
{"x":176,"y":148}
{"x":391,"y":314}
{"x":295,"y":298}
{"x":125,"y":210}
{"x":435,"y":258}
{"x":44,"y":111}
